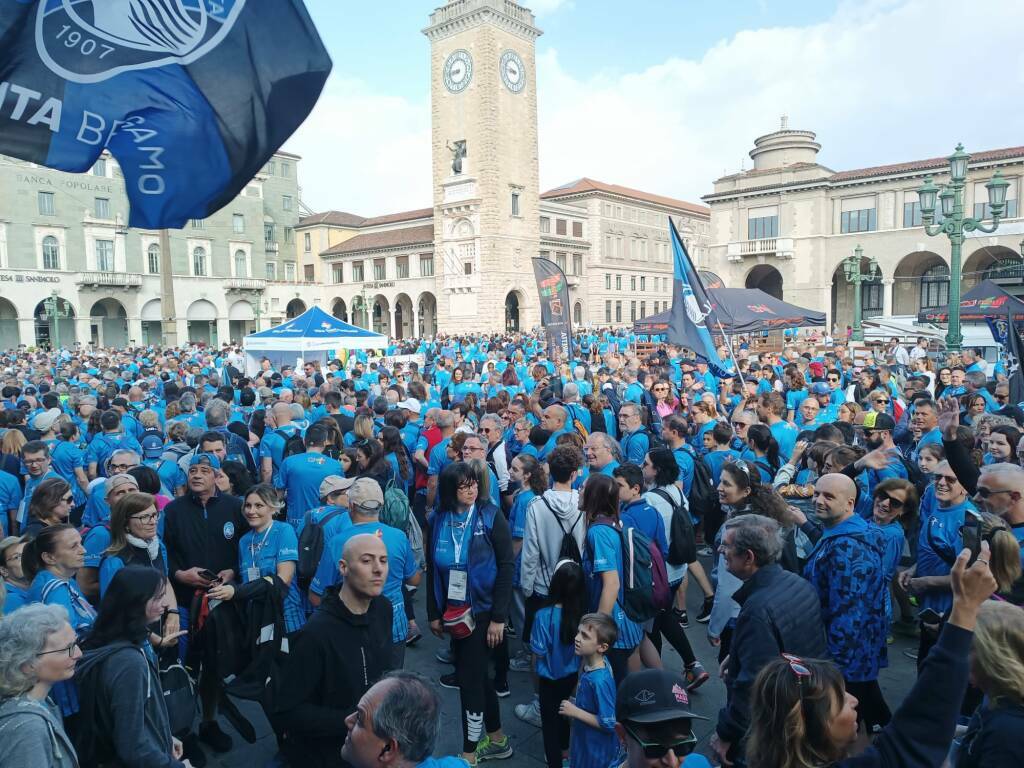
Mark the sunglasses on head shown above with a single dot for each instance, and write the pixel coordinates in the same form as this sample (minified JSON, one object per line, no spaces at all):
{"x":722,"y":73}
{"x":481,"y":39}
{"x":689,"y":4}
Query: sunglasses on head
{"x":655,"y":750}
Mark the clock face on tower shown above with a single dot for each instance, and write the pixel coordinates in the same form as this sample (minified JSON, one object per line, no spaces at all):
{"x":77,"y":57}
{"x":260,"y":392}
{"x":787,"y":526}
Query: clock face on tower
{"x":513,"y":73}
{"x":458,"y":71}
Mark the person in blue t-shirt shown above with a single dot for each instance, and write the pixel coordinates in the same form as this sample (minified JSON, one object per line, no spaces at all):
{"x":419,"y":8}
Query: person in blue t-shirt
{"x":635,"y":441}
{"x":301,"y":474}
{"x":721,"y":451}
{"x":279,"y":430}
{"x":634,"y":511}
{"x":592,"y":741}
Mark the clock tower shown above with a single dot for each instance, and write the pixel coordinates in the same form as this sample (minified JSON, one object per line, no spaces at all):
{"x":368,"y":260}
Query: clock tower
{"x":484,"y":164}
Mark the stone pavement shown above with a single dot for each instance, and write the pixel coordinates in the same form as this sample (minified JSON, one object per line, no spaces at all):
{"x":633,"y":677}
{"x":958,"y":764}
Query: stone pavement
{"x":896,"y":681}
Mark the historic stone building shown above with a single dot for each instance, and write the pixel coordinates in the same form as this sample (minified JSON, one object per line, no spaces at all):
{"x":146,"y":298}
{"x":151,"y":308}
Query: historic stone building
{"x":786,"y":225}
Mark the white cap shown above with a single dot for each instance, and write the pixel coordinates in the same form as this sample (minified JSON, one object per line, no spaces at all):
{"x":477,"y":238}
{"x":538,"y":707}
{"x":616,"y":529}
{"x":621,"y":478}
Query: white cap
{"x":412,"y":404}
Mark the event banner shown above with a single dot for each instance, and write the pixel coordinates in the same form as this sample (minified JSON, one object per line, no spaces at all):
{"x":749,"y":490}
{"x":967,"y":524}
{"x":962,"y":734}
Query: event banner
{"x":553,"y":289}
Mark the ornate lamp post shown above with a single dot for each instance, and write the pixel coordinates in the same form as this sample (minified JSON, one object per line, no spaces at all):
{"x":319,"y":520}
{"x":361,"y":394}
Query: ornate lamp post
{"x":55,"y":311}
{"x":851,"y":268}
{"x":954,"y":224}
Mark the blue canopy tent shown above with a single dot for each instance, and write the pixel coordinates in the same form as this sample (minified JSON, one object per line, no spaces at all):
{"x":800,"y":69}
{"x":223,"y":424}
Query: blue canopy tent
{"x":313,"y":335}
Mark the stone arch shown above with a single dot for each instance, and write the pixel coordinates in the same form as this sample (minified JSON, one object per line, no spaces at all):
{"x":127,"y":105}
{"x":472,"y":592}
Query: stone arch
{"x":295,"y":308}
{"x":241,"y":320}
{"x":513,"y":311}
{"x":872,"y":296}
{"x":55,"y":331}
{"x":9,"y":336}
{"x":151,"y":316}
{"x":202,"y":322}
{"x":766,"y":278}
{"x":462,"y":228}
{"x":380,"y":309}
{"x":919,"y":282}
{"x":340,"y":310}
{"x":360,"y":315}
{"x":109,"y":323}
{"x":404,"y":326}
{"x":993,"y":262}
{"x":426,"y":310}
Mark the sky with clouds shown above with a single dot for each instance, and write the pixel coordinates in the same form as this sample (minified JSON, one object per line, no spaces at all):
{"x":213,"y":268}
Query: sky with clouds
{"x":667,"y":95}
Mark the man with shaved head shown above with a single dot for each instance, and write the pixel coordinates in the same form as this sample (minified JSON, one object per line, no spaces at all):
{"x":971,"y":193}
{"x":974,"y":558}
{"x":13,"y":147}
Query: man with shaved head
{"x":274,"y":440}
{"x":845,"y":568}
{"x":344,"y":649}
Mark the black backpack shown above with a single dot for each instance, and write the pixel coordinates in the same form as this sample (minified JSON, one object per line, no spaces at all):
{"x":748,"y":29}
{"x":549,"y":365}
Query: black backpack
{"x":293,"y":444}
{"x":654,"y":440}
{"x":682,"y":541}
{"x":569,"y":550}
{"x":703,"y":494}
{"x":311,"y":547}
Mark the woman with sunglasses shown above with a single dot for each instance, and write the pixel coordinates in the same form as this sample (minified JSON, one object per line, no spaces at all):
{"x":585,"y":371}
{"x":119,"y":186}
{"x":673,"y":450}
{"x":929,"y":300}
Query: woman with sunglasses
{"x":893,"y":510}
{"x":123,"y":718}
{"x":879,"y":401}
{"x":51,"y":505}
{"x":39,"y":650}
{"x":665,"y":402}
{"x":803,"y":717}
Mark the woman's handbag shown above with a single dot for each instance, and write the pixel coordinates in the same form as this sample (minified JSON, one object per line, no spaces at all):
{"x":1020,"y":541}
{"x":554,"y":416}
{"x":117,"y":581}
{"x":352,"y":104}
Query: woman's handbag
{"x":458,"y":621}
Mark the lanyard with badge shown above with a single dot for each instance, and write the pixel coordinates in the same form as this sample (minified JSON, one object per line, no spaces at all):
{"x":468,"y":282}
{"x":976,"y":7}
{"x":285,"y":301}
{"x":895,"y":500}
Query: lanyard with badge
{"x":458,"y":576}
{"x":255,"y":550}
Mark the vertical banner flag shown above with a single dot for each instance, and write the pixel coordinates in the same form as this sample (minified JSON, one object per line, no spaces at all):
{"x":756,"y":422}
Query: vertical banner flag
{"x":192,"y":97}
{"x":693,"y":314}
{"x":554,"y":306}
{"x":1014,"y":353}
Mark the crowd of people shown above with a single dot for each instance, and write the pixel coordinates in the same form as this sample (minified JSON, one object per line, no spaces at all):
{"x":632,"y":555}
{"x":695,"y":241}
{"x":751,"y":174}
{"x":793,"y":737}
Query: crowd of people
{"x":181,"y":535}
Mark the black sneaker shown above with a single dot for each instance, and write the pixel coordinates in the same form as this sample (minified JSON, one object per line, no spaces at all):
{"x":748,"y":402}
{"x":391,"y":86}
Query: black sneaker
{"x":212,"y":734}
{"x":192,"y":750}
{"x":681,"y":617}
{"x":450,"y":681}
{"x":705,"y":611}
{"x":501,"y":689}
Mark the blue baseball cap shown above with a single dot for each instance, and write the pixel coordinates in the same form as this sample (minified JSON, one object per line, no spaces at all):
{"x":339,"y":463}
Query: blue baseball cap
{"x":152,"y":446}
{"x":205,"y":458}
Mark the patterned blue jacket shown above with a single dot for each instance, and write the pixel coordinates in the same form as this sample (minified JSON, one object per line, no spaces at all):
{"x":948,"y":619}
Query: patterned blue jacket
{"x":845,"y":568}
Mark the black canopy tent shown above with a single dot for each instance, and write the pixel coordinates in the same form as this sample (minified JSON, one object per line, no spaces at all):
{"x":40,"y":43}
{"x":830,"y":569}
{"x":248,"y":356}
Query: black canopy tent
{"x":986,"y":299}
{"x":742,"y":310}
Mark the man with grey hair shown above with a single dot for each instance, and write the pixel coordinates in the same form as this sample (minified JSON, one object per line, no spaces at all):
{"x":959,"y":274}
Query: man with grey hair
{"x":400,"y":716}
{"x":574,"y":410}
{"x":602,"y":453}
{"x":493,"y":430}
{"x":779,"y":613}
{"x":236,"y":449}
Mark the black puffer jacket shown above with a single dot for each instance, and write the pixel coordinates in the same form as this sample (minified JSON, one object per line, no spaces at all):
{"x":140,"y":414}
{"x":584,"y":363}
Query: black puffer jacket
{"x":779,"y":613}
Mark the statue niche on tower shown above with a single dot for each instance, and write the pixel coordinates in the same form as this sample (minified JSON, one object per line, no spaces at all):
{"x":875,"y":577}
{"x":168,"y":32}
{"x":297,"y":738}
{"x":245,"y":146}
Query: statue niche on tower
{"x":458,"y":151}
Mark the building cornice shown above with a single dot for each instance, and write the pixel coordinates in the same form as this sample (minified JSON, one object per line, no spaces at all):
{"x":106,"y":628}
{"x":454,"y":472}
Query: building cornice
{"x":614,"y":196}
{"x":462,"y":15}
{"x":407,"y":249}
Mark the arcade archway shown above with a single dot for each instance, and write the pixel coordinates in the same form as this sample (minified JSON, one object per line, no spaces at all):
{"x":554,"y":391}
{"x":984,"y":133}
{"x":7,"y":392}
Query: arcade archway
{"x":512,"y":306}
{"x":766,"y":278}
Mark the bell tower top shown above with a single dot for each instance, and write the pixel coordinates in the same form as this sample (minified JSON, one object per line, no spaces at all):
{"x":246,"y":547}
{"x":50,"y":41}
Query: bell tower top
{"x":460,"y":15}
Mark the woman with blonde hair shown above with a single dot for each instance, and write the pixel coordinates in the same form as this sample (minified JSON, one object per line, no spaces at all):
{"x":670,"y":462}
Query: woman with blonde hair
{"x":997,"y":668}
{"x":851,"y":413}
{"x":362,"y":429}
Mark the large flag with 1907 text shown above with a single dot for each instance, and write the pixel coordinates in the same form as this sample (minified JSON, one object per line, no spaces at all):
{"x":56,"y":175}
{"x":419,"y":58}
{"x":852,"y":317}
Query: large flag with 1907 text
{"x":693,"y":312}
{"x":192,"y":97}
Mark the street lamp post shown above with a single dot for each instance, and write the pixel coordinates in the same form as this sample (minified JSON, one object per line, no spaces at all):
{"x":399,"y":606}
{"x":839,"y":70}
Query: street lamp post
{"x":56,"y":312}
{"x":954,"y":224}
{"x":854,"y":276}
{"x":257,"y":307}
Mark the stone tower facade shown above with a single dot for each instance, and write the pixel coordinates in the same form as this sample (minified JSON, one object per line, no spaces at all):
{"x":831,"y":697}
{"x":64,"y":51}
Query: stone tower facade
{"x":484,"y":118}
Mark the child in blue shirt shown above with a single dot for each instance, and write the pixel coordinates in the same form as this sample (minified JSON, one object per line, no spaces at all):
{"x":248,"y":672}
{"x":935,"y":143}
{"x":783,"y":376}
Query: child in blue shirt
{"x":592,"y":742}
{"x":552,"y":641}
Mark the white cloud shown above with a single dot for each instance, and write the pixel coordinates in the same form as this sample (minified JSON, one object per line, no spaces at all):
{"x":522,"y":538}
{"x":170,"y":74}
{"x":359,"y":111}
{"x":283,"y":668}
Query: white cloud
{"x":547,"y":7}
{"x":856,"y":80}
{"x":880,"y":82}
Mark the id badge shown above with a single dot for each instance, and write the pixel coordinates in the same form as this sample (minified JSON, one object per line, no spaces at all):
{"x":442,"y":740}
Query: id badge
{"x":251,"y":574}
{"x":457,"y":581}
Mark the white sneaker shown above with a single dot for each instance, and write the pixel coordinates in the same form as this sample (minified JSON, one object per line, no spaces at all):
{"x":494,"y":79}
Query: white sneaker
{"x":529,"y":713}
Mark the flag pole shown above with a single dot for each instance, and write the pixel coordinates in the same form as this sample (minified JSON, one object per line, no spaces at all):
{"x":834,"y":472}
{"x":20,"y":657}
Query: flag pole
{"x":732,"y":357}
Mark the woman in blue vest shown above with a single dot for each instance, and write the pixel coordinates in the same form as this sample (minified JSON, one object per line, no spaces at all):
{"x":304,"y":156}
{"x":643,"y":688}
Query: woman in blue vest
{"x":469,"y":588}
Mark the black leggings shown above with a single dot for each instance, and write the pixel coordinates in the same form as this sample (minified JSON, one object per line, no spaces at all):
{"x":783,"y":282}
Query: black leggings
{"x":554,"y":727}
{"x":669,"y":624}
{"x":480,"y":713}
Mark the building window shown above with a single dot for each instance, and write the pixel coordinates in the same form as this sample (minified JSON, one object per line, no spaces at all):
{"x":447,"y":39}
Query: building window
{"x":515,"y":203}
{"x":269,"y":235}
{"x":46,"y":206}
{"x":632,"y":283}
{"x":286,"y":170}
{"x":102,"y":208}
{"x":198,"y":224}
{"x":912,"y":215}
{"x":632,"y":311}
{"x":607,"y":311}
{"x":618,"y":311}
{"x":467,"y":268}
{"x":271,"y":168}
{"x":380,"y":269}
{"x":238,"y":223}
{"x":199,"y":262}
{"x":105,"y":255}
{"x":357,"y":272}
{"x":560,"y":225}
{"x":100,"y":167}
{"x":643,"y":283}
{"x":545,"y":225}
{"x":286,"y":202}
{"x":289,"y":271}
{"x":857,"y":221}
{"x":560,"y":261}
{"x":153,"y":259}
{"x":51,"y":253}
{"x":577,"y":314}
{"x":289,"y":235}
{"x":935,"y":287}
{"x":307,"y":242}
{"x":307,"y":273}
{"x":871,"y":299}
{"x":762,"y":227}
{"x":643,"y":309}
{"x":607,"y":281}
{"x":618,"y":282}
{"x":618,"y":211}
{"x":577,"y":263}
{"x":545,"y":255}
{"x":241,"y":264}
{"x":271,"y":270}
{"x":984,"y":210}
{"x":402,"y":266}
{"x":338,"y":273}
{"x":426,"y":266}
{"x":577,"y":229}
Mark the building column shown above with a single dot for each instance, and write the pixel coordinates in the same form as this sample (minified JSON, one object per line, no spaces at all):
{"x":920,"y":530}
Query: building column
{"x":135,"y":330}
{"x":27,"y":331}
{"x":391,"y":322}
{"x":83,"y":331}
{"x":223,"y":331}
{"x":415,"y":323}
{"x":182,"y":323}
{"x":887,"y":288}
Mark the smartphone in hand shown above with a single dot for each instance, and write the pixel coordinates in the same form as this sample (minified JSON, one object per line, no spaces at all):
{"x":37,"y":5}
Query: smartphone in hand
{"x":971,"y":535}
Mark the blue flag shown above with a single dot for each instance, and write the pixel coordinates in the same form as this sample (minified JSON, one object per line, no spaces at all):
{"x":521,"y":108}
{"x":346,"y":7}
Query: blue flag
{"x":191,"y":96}
{"x":693,"y":313}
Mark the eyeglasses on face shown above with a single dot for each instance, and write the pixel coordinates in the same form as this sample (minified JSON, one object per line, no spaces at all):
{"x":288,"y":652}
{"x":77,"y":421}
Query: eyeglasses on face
{"x":67,"y":498}
{"x":468,"y":485}
{"x":881,"y":400}
{"x":947,"y":479}
{"x":146,"y":518}
{"x":69,"y":651}
{"x":655,"y":750}
{"x":833,"y":378}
